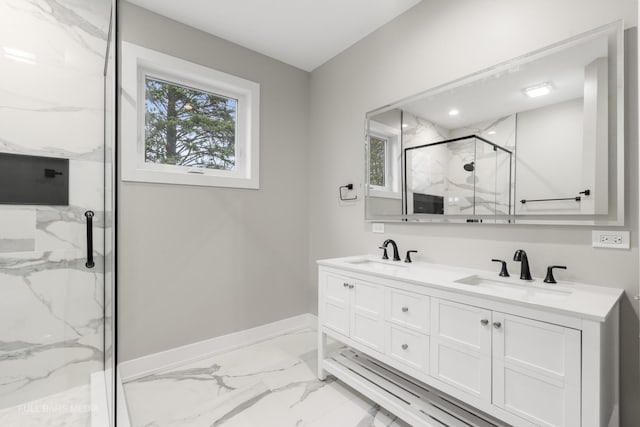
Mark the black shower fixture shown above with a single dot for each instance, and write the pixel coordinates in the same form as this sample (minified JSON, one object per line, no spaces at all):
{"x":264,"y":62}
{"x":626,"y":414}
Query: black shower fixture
{"x":470,"y":167}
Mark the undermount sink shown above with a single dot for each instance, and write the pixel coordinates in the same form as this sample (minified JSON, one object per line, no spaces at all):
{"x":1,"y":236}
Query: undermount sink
{"x":379,"y":265}
{"x":525,"y":291}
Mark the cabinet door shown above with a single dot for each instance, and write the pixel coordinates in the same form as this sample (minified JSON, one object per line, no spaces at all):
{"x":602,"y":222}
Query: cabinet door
{"x":536,"y":370}
{"x":461,"y":347}
{"x":336,"y":304}
{"x":367,"y":315}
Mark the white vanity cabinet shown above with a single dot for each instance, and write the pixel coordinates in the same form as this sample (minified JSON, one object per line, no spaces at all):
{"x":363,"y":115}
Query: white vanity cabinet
{"x":461,"y":347}
{"x":536,"y":370}
{"x":524,"y":366}
{"x":507,"y":362}
{"x":355,"y":309}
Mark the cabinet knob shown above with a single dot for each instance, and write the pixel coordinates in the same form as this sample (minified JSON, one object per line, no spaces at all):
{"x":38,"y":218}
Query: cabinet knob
{"x":405,"y":346}
{"x":405,"y":309}
{"x":345,"y":285}
{"x":497,"y":325}
{"x":351,"y":286}
{"x":484,"y":322}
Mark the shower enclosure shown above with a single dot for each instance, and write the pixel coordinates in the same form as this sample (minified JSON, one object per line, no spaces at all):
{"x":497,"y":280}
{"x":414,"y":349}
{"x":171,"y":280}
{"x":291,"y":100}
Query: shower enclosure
{"x":468,"y":175}
{"x":57,"y":91}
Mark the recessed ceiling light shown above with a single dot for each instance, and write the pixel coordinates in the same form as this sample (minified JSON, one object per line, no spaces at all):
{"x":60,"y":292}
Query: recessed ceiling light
{"x":491,"y":132}
{"x":404,"y":125}
{"x":538,"y":90}
{"x":454,"y":112}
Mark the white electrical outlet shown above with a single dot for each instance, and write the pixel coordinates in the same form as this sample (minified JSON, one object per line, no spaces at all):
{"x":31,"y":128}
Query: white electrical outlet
{"x":610,"y":239}
{"x":377,"y":227}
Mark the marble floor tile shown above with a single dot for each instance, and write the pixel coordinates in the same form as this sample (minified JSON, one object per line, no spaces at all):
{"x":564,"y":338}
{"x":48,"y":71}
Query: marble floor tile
{"x":268,"y":384}
{"x":71,"y":408}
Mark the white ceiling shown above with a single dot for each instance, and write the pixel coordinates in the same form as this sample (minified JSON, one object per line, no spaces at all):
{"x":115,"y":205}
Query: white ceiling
{"x":302,"y":33}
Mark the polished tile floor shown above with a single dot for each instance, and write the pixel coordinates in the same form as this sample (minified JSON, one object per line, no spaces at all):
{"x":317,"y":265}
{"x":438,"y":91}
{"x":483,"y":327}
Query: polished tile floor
{"x":268,"y":384}
{"x":71,"y":408}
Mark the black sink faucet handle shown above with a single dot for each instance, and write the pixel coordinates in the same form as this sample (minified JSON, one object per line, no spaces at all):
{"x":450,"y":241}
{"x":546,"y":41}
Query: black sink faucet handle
{"x":384,"y":254}
{"x":549,"y":278}
{"x":408,"y":257}
{"x":503,"y":271}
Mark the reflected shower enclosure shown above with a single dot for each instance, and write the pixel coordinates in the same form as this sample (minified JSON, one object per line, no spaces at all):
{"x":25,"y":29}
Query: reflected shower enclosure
{"x":469,"y":175}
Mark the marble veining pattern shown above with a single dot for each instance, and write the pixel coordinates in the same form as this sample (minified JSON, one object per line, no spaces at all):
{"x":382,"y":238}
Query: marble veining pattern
{"x":50,"y":324}
{"x":439,"y":169}
{"x":52,"y":104}
{"x":271,"y":383}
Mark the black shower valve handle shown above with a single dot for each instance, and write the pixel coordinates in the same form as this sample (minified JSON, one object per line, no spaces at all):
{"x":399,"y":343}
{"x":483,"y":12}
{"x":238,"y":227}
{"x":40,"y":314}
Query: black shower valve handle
{"x":503,"y":270}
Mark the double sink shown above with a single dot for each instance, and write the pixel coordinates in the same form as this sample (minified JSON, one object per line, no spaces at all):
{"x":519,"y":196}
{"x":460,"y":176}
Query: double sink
{"x":531,"y":291}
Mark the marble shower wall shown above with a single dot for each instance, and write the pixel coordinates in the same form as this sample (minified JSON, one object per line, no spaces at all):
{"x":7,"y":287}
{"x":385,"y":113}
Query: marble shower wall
{"x":493,"y":187}
{"x":52,"y":56}
{"x":438,"y":170}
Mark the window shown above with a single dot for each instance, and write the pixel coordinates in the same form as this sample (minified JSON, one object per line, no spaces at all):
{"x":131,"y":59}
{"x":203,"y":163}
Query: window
{"x":187,"y":124}
{"x":384,"y":161}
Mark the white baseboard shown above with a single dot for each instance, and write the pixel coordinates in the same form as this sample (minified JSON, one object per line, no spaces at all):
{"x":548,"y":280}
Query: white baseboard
{"x":146,"y":365}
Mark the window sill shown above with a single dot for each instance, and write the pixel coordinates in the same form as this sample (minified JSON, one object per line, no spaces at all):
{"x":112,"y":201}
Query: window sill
{"x":385,"y":194}
{"x":187,"y":178}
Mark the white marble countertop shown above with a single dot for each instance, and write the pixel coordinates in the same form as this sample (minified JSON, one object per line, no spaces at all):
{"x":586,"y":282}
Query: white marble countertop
{"x":574,"y":299}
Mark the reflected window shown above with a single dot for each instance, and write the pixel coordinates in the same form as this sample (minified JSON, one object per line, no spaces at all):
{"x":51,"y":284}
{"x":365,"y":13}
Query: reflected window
{"x":377,"y":161}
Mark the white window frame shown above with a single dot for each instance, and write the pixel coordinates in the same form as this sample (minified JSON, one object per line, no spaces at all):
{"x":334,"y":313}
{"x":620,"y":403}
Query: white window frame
{"x":138,"y":63}
{"x":391,"y":189}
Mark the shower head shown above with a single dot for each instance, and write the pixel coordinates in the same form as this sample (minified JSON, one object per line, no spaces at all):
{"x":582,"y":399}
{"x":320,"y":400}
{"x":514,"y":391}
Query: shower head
{"x":470,"y":167}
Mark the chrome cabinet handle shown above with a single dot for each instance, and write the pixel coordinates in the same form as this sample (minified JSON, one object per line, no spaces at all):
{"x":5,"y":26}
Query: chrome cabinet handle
{"x":484,"y":322}
{"x":497,"y":325}
{"x":405,"y":309}
{"x":405,"y":346}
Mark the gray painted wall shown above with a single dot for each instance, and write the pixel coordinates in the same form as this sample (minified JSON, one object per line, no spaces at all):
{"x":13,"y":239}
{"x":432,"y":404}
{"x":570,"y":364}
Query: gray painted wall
{"x":195,"y":263}
{"x":412,"y":54}
{"x":199,"y":262}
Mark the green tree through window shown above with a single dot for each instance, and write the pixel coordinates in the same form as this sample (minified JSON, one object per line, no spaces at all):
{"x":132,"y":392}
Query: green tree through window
{"x":189,"y":127}
{"x":377,"y":160}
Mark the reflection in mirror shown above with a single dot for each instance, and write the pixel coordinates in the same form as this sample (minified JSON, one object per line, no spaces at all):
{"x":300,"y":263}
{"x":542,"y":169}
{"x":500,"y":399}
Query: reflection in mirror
{"x":467,"y":175}
{"x":535,"y":138}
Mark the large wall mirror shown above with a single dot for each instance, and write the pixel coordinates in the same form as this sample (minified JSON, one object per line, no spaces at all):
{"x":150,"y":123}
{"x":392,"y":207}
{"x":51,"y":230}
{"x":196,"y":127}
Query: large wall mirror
{"x":536,"y":140}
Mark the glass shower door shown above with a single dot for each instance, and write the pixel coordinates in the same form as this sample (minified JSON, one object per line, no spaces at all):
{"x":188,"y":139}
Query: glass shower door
{"x":52,"y":302}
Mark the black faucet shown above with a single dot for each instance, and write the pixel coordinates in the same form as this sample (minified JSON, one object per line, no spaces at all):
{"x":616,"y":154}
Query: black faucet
{"x":396,"y":255}
{"x":521,"y":256}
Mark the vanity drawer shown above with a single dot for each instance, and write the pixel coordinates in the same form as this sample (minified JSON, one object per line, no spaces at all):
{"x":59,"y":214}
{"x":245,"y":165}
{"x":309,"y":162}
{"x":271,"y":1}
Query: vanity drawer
{"x":408,"y":309}
{"x":409,"y":347}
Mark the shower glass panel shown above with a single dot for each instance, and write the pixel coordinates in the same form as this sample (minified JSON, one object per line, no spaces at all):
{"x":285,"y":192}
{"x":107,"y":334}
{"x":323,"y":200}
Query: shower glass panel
{"x":464,"y":176}
{"x":53,"y":63}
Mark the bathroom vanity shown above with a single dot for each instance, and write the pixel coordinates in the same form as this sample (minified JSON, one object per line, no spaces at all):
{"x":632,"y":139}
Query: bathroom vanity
{"x":439,"y":345}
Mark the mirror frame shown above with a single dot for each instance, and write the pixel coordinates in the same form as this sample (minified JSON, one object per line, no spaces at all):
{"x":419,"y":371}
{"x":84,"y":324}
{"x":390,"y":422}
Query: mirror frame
{"x":615,"y":29}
